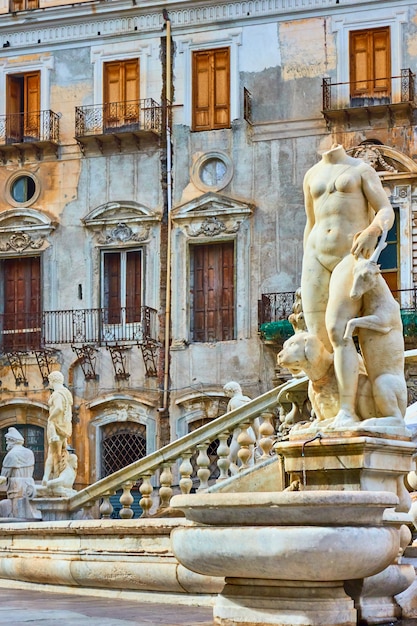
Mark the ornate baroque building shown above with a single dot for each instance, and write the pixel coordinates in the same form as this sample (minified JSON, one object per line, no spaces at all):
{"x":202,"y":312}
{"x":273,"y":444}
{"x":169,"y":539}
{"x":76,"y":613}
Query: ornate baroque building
{"x":151,"y":209}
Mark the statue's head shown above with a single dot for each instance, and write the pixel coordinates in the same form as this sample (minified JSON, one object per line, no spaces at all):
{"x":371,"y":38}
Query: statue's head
{"x":56,"y":377}
{"x":232,"y":388}
{"x":13,"y":437}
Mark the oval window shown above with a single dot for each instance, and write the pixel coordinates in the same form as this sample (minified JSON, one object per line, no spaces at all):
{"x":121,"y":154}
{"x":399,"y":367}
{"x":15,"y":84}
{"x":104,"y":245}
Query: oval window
{"x":23,"y":189}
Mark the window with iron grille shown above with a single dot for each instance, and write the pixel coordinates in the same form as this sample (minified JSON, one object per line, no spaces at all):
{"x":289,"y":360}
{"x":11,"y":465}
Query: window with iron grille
{"x":34,"y":440}
{"x":122,"y":443}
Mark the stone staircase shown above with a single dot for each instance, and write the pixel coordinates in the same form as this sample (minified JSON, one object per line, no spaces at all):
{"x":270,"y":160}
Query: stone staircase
{"x":133,"y":558}
{"x":169,"y":470}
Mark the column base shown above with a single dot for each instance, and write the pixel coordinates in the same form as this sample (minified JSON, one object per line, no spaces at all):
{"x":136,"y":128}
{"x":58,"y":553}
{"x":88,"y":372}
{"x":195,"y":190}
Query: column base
{"x":261,"y":602}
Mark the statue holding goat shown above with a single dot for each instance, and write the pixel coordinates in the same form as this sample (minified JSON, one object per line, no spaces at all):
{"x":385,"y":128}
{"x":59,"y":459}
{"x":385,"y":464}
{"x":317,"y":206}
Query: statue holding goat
{"x":343,"y":293}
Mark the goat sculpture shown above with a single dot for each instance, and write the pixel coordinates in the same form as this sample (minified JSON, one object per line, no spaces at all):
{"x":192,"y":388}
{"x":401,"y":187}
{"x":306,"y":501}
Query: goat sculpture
{"x":380,"y":335}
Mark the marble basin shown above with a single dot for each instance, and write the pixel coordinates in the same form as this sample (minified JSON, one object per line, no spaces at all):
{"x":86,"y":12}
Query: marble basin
{"x":285,"y":555}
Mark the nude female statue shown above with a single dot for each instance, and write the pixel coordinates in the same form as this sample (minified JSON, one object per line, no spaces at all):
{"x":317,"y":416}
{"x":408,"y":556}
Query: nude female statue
{"x":347,"y":210}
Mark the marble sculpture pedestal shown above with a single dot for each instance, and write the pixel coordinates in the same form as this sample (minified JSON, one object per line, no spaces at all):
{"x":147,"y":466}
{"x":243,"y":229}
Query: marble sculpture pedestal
{"x":285,"y":555}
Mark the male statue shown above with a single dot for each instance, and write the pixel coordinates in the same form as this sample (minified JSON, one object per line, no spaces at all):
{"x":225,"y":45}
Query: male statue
{"x":17,"y":474}
{"x":59,"y":428}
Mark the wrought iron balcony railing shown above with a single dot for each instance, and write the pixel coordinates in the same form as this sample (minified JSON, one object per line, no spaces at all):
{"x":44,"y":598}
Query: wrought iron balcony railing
{"x":118,"y":117}
{"x":366,"y":93}
{"x":274,"y":309}
{"x":33,"y":127}
{"x":35,"y":331}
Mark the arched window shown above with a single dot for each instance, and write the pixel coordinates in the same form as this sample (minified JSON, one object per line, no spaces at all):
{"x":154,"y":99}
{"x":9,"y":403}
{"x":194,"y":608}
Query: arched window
{"x":122,"y":443}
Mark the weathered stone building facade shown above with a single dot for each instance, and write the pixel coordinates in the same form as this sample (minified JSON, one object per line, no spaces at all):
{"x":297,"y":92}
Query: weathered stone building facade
{"x":136,"y":238}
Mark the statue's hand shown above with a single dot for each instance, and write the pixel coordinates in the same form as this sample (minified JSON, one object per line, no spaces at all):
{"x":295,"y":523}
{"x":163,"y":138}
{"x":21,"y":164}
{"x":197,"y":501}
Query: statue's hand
{"x":364,"y":242}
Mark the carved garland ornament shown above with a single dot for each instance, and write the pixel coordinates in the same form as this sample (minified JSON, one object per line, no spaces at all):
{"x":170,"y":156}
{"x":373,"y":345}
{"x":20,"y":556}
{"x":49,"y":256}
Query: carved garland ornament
{"x":20,"y":241}
{"x":211,"y":227}
{"x":123,"y":233}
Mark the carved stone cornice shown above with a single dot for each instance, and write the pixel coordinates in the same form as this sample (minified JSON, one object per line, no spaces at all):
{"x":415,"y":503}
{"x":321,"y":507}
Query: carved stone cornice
{"x":120,"y":223}
{"x":24,"y":229}
{"x":212,"y":215}
{"x":72,"y":22}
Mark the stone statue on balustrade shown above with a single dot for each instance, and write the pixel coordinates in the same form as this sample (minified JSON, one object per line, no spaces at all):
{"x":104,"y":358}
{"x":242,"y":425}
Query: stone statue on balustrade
{"x":17,"y":475}
{"x":62,"y":486}
{"x":343,"y":293}
{"x":59,"y":429}
{"x":234,"y":391}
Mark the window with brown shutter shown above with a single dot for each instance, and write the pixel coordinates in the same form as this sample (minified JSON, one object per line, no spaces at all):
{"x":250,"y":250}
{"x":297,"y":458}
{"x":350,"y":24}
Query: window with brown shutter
{"x":122,"y":286}
{"x":21,"y":302}
{"x":211,"y":89}
{"x":121,"y":93}
{"x":212,"y":292}
{"x":23,"y":106}
{"x":370,"y":64}
{"x":22,"y":5}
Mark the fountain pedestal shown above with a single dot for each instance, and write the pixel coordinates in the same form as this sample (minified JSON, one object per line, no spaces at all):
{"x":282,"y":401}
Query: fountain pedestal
{"x":350,"y":461}
{"x":366,"y":463}
{"x":285,"y":556}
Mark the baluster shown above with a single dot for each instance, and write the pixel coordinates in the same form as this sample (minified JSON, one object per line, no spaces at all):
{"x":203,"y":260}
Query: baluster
{"x":146,"y":490}
{"x":186,"y":469}
{"x":223,"y":451}
{"x":266,"y":432}
{"x":165,"y":490}
{"x":126,"y":500}
{"x":245,"y":442}
{"x":203,"y":463}
{"x":106,"y":507}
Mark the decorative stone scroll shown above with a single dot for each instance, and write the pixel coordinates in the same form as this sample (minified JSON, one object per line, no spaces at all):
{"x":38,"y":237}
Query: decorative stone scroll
{"x":120,"y":223}
{"x":24,"y":229}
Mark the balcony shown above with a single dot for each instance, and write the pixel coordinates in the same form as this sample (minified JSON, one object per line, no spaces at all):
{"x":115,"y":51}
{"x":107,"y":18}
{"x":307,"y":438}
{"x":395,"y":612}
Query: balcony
{"x":23,"y":132}
{"x":274,"y":309}
{"x":116,"y":122}
{"x":26,"y":332}
{"x":374,"y":102}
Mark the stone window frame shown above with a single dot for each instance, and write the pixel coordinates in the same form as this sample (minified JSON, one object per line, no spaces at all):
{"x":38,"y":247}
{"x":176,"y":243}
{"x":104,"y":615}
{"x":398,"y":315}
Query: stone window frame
{"x":125,"y":51}
{"x":44,"y":65}
{"x":208,"y":219}
{"x":342,"y":25}
{"x":104,"y":411}
{"x":208,"y":41}
{"x":10,"y":182}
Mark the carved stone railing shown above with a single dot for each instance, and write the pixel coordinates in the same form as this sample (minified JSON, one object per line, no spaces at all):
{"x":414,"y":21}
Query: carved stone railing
{"x":174,"y":460}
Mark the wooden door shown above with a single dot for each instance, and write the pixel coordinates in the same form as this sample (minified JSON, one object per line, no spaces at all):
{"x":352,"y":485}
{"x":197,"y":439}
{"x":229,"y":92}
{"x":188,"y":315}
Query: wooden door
{"x":121,"y":93}
{"x":32,"y":106}
{"x":14,"y":106}
{"x":212,"y":290}
{"x":133,"y":286}
{"x":23,"y":107}
{"x":22,"y":303}
{"x":112,"y":288}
